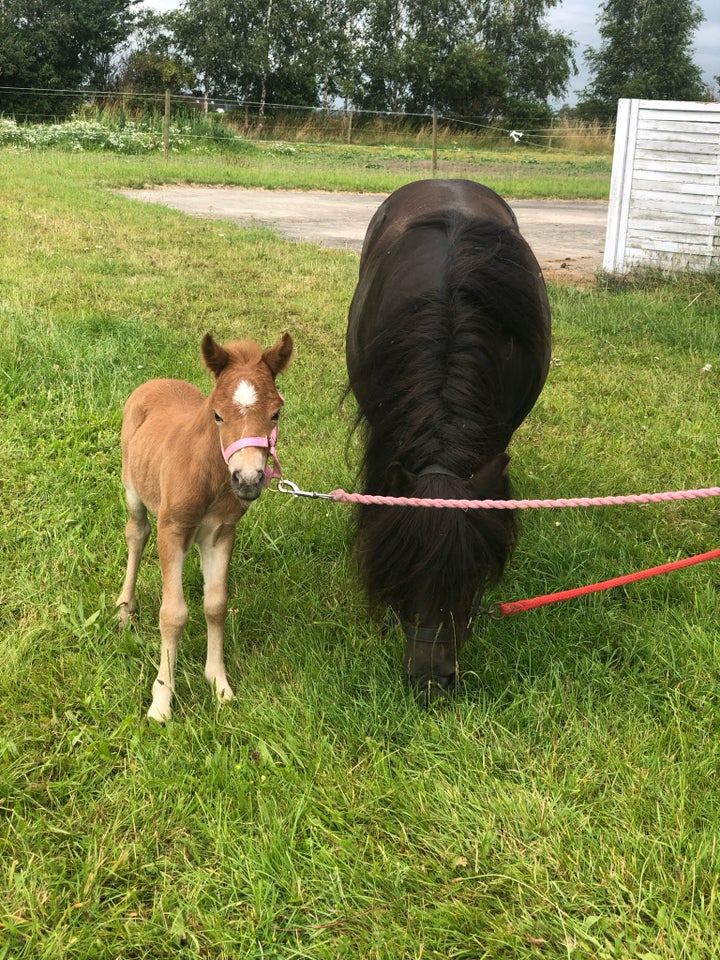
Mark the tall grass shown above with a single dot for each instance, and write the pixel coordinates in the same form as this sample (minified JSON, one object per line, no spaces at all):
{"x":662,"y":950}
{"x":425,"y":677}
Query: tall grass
{"x":564,"y":804}
{"x":578,"y":136}
{"x":350,"y":126}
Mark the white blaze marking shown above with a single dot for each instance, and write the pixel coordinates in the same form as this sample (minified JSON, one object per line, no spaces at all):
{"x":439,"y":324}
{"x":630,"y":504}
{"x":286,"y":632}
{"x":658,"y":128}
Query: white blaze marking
{"x":245,"y":395}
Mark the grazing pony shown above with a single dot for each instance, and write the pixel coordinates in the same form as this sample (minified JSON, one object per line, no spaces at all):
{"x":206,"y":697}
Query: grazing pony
{"x":196,"y":463}
{"x":448,"y":347}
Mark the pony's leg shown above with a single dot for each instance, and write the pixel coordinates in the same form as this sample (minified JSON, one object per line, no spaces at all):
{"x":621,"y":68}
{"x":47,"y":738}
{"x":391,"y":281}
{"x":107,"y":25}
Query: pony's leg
{"x":137,"y":531}
{"x":173,"y":546}
{"x":216,"y":548}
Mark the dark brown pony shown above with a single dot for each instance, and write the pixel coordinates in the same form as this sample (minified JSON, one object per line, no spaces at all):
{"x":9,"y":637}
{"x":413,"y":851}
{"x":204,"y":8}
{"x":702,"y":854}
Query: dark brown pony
{"x":196,"y":463}
{"x":448,"y":347}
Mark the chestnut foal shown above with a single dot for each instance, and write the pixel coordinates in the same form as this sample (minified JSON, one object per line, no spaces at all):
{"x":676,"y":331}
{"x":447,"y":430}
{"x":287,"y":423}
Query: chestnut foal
{"x":196,"y":463}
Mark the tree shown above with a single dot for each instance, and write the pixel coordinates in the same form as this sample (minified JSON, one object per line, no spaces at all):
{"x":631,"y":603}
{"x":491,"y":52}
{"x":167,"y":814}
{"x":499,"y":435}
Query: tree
{"x":338,"y":28}
{"x":291,"y":55}
{"x":537,"y":62}
{"x":646,"y":51}
{"x":380,"y":80}
{"x":54,"y":45}
{"x":213,"y":38}
{"x":483,"y":58}
{"x":254,"y":50}
{"x":152,"y":62}
{"x":447,"y":68}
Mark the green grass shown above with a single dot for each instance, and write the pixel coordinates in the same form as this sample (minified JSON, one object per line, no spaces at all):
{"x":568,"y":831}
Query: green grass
{"x":564,"y":805}
{"x":518,"y":173}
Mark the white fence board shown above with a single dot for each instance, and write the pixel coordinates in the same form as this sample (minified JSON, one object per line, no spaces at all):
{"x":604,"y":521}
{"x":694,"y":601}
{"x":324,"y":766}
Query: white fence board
{"x":665,"y":191}
{"x":671,"y":169}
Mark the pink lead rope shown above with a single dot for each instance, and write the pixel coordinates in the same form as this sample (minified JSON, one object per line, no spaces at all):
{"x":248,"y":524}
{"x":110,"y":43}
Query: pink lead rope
{"x":498,"y":610}
{"x":613,"y":501}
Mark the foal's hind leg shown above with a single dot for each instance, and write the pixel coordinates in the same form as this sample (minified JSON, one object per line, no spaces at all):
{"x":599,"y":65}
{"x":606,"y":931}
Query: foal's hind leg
{"x":216,"y":548}
{"x":137,"y":531}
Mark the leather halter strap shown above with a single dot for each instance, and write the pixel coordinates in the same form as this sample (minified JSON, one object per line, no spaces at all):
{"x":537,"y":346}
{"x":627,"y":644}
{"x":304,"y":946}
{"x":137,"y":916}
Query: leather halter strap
{"x":443,"y":634}
{"x":435,"y":469}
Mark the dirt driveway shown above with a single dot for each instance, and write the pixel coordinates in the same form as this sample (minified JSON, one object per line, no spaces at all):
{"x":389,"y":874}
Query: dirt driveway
{"x":567,"y":236}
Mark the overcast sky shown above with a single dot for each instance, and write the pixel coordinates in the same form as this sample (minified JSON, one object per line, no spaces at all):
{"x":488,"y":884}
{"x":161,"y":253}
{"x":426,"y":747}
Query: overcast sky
{"x":577,"y":17}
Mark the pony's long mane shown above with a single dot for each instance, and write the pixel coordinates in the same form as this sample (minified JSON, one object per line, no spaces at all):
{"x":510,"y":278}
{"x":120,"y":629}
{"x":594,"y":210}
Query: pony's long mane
{"x":449,"y":376}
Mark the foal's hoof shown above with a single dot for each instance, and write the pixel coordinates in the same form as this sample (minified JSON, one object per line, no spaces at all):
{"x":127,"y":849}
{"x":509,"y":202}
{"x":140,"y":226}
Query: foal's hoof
{"x":125,"y":617}
{"x":160,"y":709}
{"x":159,"y":715}
{"x":224,"y":696}
{"x":221,"y":688}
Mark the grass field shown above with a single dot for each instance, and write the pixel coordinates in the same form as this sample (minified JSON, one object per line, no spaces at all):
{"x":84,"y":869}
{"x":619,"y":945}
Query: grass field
{"x":564,"y":805}
{"x":101,"y":156}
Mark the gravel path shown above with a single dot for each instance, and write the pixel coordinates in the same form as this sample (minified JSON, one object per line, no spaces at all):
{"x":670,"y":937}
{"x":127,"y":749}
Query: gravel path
{"x":567,"y":236}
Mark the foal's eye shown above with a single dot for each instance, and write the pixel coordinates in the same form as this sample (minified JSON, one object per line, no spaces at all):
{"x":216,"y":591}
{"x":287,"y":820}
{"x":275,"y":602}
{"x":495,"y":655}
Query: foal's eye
{"x":218,"y":418}
{"x":275,"y":417}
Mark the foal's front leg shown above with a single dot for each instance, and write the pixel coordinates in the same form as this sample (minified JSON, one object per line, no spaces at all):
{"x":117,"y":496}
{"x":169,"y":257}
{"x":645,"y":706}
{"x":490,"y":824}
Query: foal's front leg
{"x":173,"y":546}
{"x":216,"y":546}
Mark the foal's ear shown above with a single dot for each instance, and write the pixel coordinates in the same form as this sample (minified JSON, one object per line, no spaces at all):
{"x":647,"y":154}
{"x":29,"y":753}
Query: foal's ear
{"x":278,"y":357}
{"x":214,"y":356}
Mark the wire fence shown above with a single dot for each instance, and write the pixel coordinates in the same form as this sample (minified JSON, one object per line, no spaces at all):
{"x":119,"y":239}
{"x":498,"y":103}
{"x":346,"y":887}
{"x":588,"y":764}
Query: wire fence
{"x":219,"y":119}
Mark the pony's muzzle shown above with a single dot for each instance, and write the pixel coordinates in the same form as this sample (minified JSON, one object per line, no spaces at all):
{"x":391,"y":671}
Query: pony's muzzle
{"x":430,"y":662}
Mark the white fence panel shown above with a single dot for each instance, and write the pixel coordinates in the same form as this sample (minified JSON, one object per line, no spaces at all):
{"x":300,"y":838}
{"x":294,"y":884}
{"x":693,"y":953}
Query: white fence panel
{"x":665,"y":190}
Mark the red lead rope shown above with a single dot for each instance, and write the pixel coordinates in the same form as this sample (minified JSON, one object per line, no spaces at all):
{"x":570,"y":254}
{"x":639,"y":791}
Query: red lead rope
{"x":517,"y":606}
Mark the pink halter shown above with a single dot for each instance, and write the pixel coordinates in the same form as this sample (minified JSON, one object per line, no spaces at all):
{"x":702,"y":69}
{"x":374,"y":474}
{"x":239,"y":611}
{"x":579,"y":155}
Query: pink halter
{"x":271,"y":472}
{"x":270,"y":443}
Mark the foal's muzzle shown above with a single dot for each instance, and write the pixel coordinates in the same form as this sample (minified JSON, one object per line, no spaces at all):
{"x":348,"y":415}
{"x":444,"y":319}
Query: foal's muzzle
{"x":246,"y":489}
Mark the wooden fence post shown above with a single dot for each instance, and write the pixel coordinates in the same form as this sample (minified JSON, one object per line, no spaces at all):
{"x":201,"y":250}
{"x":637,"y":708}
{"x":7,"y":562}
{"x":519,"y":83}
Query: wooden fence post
{"x":166,"y":126}
{"x":349,"y":135}
{"x":434,"y":141}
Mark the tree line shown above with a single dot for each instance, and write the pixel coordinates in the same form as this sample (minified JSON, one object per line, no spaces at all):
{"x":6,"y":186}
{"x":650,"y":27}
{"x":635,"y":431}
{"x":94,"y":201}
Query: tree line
{"x":480,"y":59}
